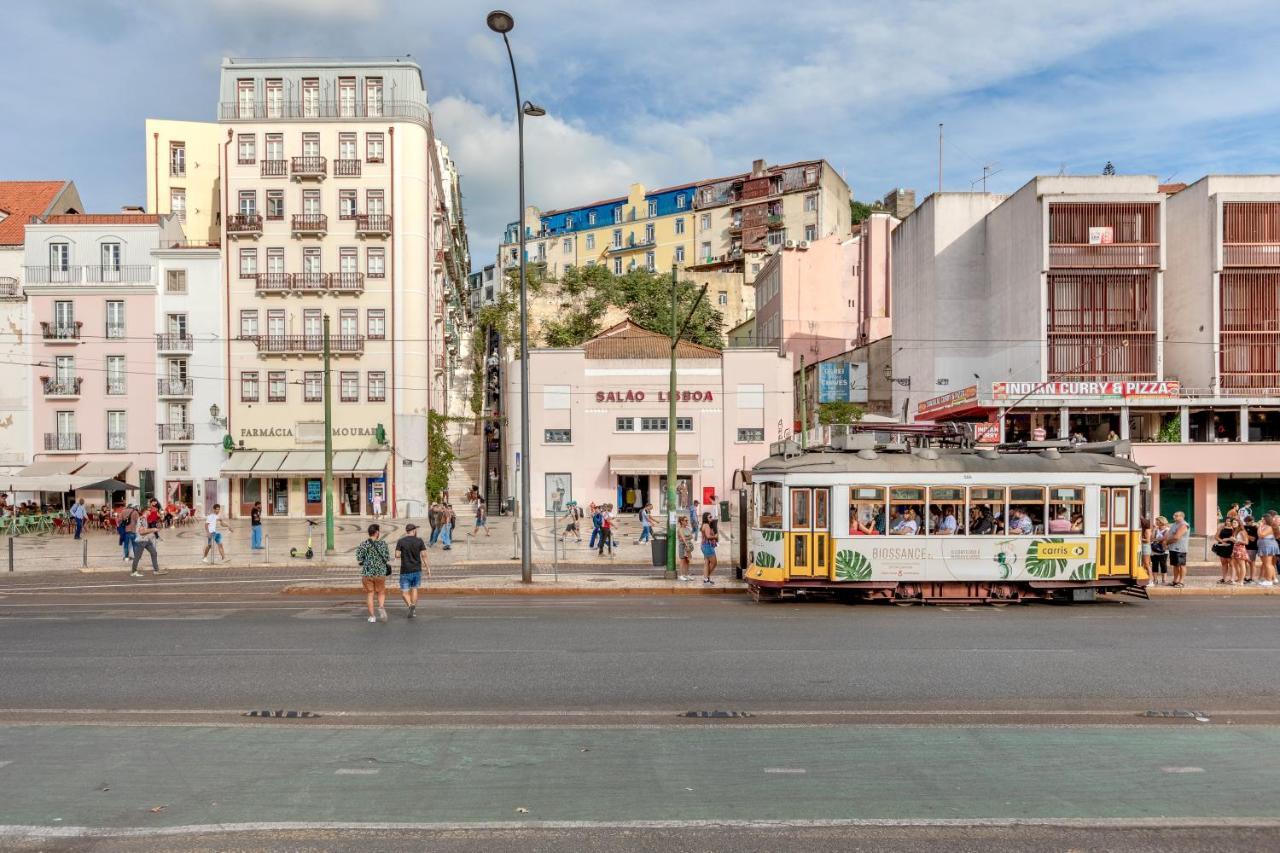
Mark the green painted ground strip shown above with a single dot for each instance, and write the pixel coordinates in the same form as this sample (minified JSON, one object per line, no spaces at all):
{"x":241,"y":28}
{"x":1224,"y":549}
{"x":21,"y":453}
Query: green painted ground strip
{"x":275,"y":773}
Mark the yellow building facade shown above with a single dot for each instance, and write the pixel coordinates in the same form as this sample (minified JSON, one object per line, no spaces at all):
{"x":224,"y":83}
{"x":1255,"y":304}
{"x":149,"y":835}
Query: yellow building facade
{"x":183,"y":175}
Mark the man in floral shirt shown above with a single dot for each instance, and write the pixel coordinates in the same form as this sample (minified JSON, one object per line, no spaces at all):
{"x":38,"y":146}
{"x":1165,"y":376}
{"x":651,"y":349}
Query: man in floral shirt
{"x":375,"y":564}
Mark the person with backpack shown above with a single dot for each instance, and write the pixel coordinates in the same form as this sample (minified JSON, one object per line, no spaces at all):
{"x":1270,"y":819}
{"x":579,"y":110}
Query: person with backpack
{"x":606,"y":530}
{"x":122,"y":530}
{"x":413,"y":560}
{"x":146,"y":533}
{"x":597,"y":520}
{"x":375,"y":565}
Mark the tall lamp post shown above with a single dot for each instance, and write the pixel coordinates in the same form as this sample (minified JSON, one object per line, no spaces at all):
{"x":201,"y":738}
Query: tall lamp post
{"x":502,"y":23}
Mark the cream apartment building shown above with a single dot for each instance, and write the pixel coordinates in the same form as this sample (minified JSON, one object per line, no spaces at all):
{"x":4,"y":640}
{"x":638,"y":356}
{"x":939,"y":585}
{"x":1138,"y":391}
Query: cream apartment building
{"x":330,"y":209}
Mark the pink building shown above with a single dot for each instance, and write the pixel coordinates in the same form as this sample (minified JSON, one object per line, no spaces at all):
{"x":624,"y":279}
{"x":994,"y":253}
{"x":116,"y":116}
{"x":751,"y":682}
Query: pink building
{"x":819,"y":298}
{"x":91,"y":284}
{"x":599,"y":418}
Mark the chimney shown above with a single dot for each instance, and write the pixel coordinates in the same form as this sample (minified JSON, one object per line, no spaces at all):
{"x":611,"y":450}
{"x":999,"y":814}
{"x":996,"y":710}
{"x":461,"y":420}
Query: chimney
{"x":757,"y":168}
{"x":132,"y":208}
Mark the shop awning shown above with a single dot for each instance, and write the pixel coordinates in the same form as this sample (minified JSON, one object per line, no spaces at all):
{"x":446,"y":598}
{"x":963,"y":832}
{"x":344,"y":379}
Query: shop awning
{"x":651,"y":463}
{"x":240,"y":463}
{"x":372,"y":462}
{"x":105,"y":470}
{"x":47,"y":483}
{"x":51,"y":466}
{"x":345,"y":461}
{"x":302,"y":462}
{"x":269,"y":462}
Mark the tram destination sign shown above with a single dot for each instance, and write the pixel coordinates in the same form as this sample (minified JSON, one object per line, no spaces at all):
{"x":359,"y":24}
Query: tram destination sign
{"x":1015,"y":390}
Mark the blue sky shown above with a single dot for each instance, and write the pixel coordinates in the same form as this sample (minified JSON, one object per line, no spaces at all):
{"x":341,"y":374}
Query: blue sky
{"x":662,"y":92}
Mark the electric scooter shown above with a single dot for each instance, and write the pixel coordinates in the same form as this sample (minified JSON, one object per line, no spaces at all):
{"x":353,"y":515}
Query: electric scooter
{"x":309,"y":553}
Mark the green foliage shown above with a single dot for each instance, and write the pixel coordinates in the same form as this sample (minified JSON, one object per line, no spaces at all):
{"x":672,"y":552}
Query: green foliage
{"x":571,"y":331}
{"x":839,"y":412}
{"x":1046,"y":567}
{"x":1085,"y":572}
{"x":439,"y":455}
{"x":764,"y":560}
{"x":1170,"y":431}
{"x":860,"y":210}
{"x":852,"y":566}
{"x":646,"y":298}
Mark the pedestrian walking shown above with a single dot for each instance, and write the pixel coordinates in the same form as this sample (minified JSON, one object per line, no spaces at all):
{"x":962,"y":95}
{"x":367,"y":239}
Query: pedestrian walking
{"x":447,"y":520}
{"x":1160,"y":551}
{"x":433,"y":520}
{"x":412,"y":552}
{"x":1177,"y":540}
{"x":78,"y":515}
{"x":646,"y":524}
{"x":255,"y":526}
{"x":1268,"y":548}
{"x":606,"y":530}
{"x":377,"y":505}
{"x":574,"y":516}
{"x":375,"y":565}
{"x":596,"y":520}
{"x":710,"y":538}
{"x":146,"y":534}
{"x":477,"y":505}
{"x":122,"y":530}
{"x":684,"y":547}
{"x":213,"y":537}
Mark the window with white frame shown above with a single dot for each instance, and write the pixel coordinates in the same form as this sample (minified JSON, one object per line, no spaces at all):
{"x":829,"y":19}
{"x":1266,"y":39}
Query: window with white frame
{"x":648,"y":233}
{"x":373,"y":96}
{"x":246,"y":149}
{"x":59,"y":257}
{"x":248,"y":263}
{"x":346,"y":97}
{"x":722,"y":297}
{"x":591,"y":241}
{"x":248,"y":386}
{"x":591,"y":217}
{"x":775,"y":237}
{"x":679,"y":224}
{"x":706,"y":251}
{"x":568,"y":247}
{"x":179,"y":461}
{"x":617,"y":266}
{"x":682,"y":201}
{"x":617,"y":238}
{"x":178,"y":203}
{"x":347,"y":204}
{"x":376,"y":263}
{"x":275,"y":260}
{"x":706,"y":222}
{"x":679,"y":254}
{"x":175,"y":281}
{"x":349,"y":386}
{"x":310,"y":144}
{"x":377,"y":391}
{"x":117,"y":430}
{"x":811,"y":203}
{"x":177,"y":159}
{"x":811,"y":232}
{"x":313,"y":386}
{"x":617,"y":215}
{"x":750,"y":435}
{"x":653,"y":208}
{"x":311,"y":202}
{"x":248,"y":200}
{"x":650,"y":261}
{"x":346,"y":146}
{"x":373,"y":147}
{"x":375,"y":202}
{"x":277,"y":387}
{"x":684,"y":424}
{"x":115,"y":318}
{"x":249,"y":323}
{"x":110,"y":255}
{"x":653,"y":424}
{"x":116,"y":384}
{"x":275,"y":98}
{"x":244,"y":99}
{"x":275,"y":147}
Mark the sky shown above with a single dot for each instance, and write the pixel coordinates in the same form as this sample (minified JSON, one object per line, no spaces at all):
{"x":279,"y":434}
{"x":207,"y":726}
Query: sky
{"x":665,"y":92}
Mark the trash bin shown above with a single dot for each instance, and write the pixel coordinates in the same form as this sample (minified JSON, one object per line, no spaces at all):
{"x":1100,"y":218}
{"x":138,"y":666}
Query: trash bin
{"x":724,"y":511}
{"x":658,"y":549}
{"x":511,"y":506}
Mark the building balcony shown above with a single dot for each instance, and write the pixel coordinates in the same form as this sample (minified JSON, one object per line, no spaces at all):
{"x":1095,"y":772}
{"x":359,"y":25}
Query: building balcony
{"x":176,"y":433}
{"x":316,"y":224}
{"x":774,"y":220}
{"x":273,"y":282}
{"x":54,"y":275}
{"x":62,"y":442}
{"x":9,"y":288}
{"x":60,"y":333}
{"x":275,"y":168}
{"x":735,"y":227}
{"x":311,"y":168}
{"x":309,"y":282}
{"x":244,"y":225}
{"x":117,"y":441}
{"x":373,"y":224}
{"x":125,"y":274}
{"x":346,"y":168}
{"x":66,"y":388}
{"x":629,"y":246}
{"x":174,"y":343}
{"x":116,"y":387}
{"x":175,"y":388}
{"x":307,"y":344}
{"x":346,"y":282}
{"x":1104,"y":255}
{"x":1251,"y":254}
{"x":313,"y":109}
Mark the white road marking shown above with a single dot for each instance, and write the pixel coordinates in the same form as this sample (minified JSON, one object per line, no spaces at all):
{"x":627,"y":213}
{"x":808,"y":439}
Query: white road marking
{"x":357,"y":771}
{"x":1181,"y":769}
{"x":792,"y":770}
{"x":259,"y":650}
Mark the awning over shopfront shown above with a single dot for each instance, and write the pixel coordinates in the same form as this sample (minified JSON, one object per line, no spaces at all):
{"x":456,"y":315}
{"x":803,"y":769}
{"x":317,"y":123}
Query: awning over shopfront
{"x":105,"y":470}
{"x":51,"y":466}
{"x":651,"y":463}
{"x":304,"y":463}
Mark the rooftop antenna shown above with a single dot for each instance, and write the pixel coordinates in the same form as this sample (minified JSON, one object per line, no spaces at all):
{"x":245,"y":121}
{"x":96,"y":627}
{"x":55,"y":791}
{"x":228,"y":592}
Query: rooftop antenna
{"x":986,"y":173}
{"x":1062,"y":169}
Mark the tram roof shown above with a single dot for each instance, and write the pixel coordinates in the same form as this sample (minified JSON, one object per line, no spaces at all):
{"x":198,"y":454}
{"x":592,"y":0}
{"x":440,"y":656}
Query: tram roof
{"x":947,"y":461}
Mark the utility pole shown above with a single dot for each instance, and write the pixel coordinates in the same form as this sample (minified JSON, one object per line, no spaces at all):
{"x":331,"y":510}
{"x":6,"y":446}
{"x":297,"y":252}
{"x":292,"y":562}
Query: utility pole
{"x":671,"y":420}
{"x":328,"y":447}
{"x":939,"y":157}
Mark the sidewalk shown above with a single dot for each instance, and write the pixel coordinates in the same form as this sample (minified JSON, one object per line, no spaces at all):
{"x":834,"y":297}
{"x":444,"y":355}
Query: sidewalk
{"x":542,"y":584}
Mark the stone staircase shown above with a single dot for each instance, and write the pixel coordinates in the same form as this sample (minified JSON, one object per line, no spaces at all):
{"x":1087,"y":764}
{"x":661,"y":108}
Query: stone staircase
{"x":468,"y":464}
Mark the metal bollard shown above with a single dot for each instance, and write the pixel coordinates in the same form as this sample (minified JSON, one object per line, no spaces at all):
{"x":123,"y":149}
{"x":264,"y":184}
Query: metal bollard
{"x":10,"y":553}
{"x":84,"y":553}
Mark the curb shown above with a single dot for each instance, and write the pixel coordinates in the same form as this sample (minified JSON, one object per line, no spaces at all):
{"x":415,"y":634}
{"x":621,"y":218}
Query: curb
{"x":1212,"y":591}
{"x":585,"y":592}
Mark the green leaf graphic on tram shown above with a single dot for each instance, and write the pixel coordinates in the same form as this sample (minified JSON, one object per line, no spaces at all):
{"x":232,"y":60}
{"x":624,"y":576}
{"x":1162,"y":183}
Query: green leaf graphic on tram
{"x":1085,"y":572}
{"x":1043,"y":567}
{"x":852,"y":566}
{"x":1006,"y":559}
{"x":765,"y":560}
{"x":771,"y":535}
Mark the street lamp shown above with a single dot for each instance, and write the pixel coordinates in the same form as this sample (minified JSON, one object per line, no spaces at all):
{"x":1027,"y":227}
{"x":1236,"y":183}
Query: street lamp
{"x":502,"y":23}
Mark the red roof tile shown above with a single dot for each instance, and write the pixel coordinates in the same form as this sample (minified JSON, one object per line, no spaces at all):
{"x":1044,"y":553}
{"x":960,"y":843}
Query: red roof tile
{"x":627,"y":340}
{"x":21,"y":200}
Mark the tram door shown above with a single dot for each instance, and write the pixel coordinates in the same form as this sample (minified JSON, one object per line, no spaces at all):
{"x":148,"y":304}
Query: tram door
{"x":1116,"y":531}
{"x":810,"y":536}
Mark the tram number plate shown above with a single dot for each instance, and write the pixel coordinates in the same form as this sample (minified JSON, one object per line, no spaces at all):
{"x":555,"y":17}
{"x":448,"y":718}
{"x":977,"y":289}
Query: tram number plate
{"x":1063,"y":550}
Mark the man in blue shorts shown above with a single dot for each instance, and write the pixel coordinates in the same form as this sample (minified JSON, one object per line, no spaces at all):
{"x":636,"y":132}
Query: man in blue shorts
{"x":412,"y":551}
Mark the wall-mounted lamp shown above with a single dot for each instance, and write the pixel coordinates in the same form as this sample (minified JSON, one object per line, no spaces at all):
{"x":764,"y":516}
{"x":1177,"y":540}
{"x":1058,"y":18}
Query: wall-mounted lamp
{"x":214,"y":411}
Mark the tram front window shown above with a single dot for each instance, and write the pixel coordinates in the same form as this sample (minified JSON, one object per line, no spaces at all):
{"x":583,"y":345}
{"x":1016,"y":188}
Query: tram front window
{"x":907,"y":505}
{"x":986,"y":509}
{"x":1026,"y":510}
{"x":770,"y":504}
{"x":866,"y":512}
{"x":946,"y":505}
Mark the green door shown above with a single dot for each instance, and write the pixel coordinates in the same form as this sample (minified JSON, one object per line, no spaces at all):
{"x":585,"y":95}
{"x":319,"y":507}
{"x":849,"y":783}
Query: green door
{"x":1178,"y":495}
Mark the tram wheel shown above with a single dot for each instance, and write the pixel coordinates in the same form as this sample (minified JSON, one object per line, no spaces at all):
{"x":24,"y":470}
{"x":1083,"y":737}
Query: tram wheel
{"x":910,"y":602}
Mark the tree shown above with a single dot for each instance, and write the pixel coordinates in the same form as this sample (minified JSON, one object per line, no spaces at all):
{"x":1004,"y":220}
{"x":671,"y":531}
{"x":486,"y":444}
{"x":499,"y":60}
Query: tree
{"x":646,"y":297}
{"x":839,"y":412}
{"x":1109,"y":169}
{"x":860,"y":210}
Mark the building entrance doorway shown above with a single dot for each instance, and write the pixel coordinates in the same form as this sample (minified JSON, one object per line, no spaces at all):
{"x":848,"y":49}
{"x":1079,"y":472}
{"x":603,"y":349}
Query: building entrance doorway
{"x":279,"y":497}
{"x":633,"y":492}
{"x":351,"y":504}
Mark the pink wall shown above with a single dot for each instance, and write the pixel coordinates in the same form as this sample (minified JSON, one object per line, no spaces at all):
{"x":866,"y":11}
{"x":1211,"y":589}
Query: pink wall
{"x":875,"y":276}
{"x":1208,"y":458}
{"x":138,"y":346}
{"x":811,"y":307}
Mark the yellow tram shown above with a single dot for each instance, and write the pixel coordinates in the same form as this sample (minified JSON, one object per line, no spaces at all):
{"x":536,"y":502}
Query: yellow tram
{"x":905,"y":520}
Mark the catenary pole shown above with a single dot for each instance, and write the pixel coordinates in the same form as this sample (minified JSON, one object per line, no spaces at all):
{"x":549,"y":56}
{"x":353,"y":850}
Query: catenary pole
{"x":328,"y":447}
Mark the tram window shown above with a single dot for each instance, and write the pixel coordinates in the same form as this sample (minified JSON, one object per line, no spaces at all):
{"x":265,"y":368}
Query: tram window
{"x":820,"y":509}
{"x":1026,"y":510}
{"x":946,"y":506}
{"x":800,"y":509}
{"x":866,"y":511}
{"x":986,"y":510}
{"x":906,"y":505}
{"x":770,"y":505}
{"x":1066,"y":510}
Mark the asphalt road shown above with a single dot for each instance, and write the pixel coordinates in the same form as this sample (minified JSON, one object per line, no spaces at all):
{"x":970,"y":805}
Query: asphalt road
{"x":554,"y":724}
{"x":243,"y":650}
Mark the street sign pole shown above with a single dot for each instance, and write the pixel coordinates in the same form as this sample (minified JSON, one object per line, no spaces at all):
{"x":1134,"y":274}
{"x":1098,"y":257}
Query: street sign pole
{"x":328,"y":447}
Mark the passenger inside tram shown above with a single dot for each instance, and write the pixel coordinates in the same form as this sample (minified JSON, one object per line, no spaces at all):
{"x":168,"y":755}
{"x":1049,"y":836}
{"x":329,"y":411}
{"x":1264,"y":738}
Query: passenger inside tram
{"x":907,"y":524}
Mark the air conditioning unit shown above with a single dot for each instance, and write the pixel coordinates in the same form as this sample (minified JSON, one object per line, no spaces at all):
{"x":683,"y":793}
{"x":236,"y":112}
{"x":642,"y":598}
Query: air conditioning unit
{"x":803,"y":244}
{"x":791,"y":244}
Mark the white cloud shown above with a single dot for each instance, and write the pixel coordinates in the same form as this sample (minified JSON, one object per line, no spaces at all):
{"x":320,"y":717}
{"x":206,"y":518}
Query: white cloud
{"x":365,"y":10}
